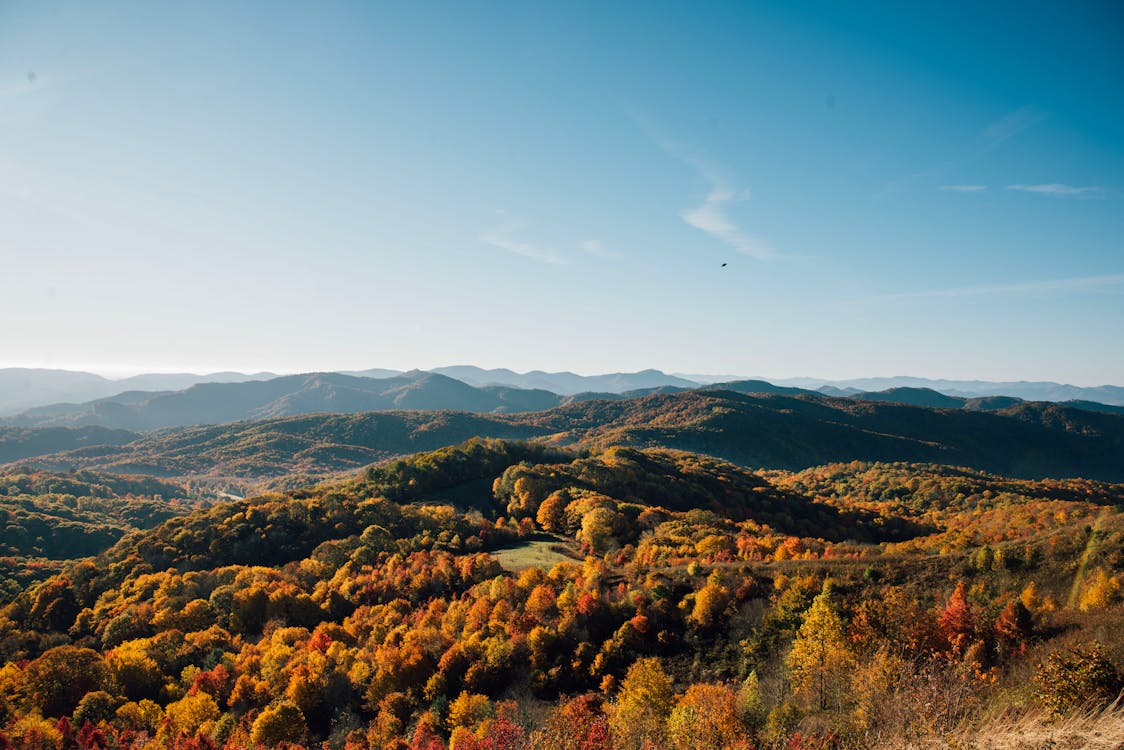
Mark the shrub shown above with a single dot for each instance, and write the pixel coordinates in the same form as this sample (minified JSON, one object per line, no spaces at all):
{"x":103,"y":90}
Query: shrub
{"x":1080,"y":677}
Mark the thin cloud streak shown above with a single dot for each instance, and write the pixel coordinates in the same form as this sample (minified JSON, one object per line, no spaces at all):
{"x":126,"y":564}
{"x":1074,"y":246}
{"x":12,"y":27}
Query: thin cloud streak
{"x":1009,"y":126}
{"x":1051,"y":285}
{"x":964,"y":188}
{"x":711,"y":215}
{"x":596,"y":248}
{"x":501,"y":237}
{"x":1055,"y":188}
{"x":988,"y":139}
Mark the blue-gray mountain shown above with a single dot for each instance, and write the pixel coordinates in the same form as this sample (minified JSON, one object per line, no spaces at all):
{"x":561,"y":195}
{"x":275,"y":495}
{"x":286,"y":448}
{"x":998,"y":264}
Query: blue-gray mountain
{"x":262,"y":398}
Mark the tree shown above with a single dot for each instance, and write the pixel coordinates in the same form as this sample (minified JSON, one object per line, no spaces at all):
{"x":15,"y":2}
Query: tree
{"x":133,"y":673}
{"x":95,"y":707}
{"x":597,"y":530}
{"x":710,"y":603}
{"x":279,"y":722}
{"x":191,"y":712}
{"x":956,"y":621}
{"x":820,"y":661}
{"x":706,"y":718}
{"x":58,"y":679}
{"x":642,"y":706}
{"x":578,"y":724}
{"x":469,"y":709}
{"x":501,"y":734}
{"x":1013,"y":627}
{"x":552,"y":512}
{"x":1099,"y":591}
{"x":426,"y":738}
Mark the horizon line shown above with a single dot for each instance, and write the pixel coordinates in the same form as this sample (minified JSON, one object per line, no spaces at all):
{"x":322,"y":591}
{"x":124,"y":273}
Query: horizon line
{"x":118,"y":373}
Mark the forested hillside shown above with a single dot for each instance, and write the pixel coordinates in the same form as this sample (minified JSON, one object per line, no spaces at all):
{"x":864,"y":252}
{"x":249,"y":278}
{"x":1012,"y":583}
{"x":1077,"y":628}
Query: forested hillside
{"x":514,"y":595}
{"x":47,"y":517}
{"x":24,"y":442}
{"x":776,"y":431}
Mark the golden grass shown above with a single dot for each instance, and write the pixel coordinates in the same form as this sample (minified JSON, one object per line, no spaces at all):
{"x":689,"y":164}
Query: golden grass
{"x":1090,"y":730}
{"x":538,"y":554}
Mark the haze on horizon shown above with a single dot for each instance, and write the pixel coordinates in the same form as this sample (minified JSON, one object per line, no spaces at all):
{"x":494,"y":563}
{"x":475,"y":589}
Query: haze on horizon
{"x":895,"y":190}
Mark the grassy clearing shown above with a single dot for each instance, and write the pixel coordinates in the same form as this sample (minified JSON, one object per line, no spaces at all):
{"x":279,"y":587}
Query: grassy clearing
{"x":540,"y":553}
{"x":1096,"y":730}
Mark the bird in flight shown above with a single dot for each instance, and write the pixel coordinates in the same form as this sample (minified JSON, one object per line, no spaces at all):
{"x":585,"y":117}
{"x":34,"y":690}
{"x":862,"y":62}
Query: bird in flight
{"x":723,"y":265}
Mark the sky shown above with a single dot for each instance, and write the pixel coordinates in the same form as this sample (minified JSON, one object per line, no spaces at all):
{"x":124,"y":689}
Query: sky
{"x":779,"y":189}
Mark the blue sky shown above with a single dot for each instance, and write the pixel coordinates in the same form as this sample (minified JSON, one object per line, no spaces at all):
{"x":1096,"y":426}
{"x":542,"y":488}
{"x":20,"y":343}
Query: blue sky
{"x":934,"y":190}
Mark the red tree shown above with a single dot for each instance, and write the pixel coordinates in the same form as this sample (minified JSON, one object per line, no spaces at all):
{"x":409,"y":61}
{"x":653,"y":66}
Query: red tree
{"x":956,"y":621}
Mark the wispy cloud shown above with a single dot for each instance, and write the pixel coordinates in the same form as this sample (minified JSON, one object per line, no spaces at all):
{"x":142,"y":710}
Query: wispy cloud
{"x":597,"y":248}
{"x":1009,"y":126}
{"x":503,"y":237}
{"x":964,"y":188}
{"x":990,"y":138}
{"x":711,"y":216}
{"x":1081,"y":283}
{"x":1056,"y":189}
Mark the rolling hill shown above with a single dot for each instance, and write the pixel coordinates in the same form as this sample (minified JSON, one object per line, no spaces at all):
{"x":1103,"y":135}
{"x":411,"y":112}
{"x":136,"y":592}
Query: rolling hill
{"x":937,"y":400}
{"x":23,"y":442}
{"x":763,"y":430}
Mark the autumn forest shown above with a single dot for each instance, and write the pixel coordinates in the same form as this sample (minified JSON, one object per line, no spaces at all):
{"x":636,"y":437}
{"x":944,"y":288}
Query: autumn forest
{"x":495,"y":595}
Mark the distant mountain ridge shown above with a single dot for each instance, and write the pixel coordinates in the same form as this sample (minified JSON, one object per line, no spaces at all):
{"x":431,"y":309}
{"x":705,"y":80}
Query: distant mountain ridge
{"x":566,"y":383}
{"x":41,"y":397}
{"x":756,"y":430}
{"x":25,"y":388}
{"x":1112,"y":395}
{"x":330,"y":392}
{"x":22,"y":389}
{"x":929,"y":398}
{"x":218,"y":403}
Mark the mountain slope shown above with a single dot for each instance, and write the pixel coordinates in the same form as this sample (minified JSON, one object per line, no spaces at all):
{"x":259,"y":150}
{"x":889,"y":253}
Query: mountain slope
{"x":311,"y":444}
{"x":23,"y":442}
{"x":915,"y":397}
{"x":24,"y":388}
{"x":765,"y":430}
{"x":217,"y":403}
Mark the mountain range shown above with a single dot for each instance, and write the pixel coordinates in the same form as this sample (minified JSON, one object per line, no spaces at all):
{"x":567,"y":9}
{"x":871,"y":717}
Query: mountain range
{"x":22,"y":389}
{"x":777,"y":430}
{"x":288,"y":395}
{"x":1022,"y":389}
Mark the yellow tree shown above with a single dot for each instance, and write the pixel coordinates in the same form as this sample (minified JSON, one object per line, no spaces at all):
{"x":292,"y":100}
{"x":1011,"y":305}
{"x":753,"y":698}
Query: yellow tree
{"x":1099,"y":591}
{"x":642,"y":707}
{"x":552,"y":512}
{"x":188,"y":714}
{"x":468,"y":710}
{"x":820,"y":661}
{"x":710,"y":603}
{"x":706,"y":718}
{"x":279,"y":722}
